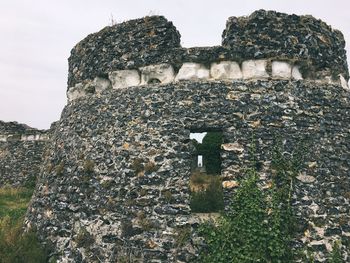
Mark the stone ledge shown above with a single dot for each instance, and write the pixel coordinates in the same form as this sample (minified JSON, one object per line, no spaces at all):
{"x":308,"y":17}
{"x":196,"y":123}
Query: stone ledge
{"x":224,"y":70}
{"x":24,"y":138}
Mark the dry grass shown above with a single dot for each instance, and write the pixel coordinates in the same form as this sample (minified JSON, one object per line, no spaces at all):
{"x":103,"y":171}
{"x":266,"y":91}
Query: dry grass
{"x":200,"y":181}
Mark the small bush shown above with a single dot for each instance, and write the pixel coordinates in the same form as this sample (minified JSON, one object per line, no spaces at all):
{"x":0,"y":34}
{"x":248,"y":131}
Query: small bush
{"x":199,"y":180}
{"x":168,"y":196}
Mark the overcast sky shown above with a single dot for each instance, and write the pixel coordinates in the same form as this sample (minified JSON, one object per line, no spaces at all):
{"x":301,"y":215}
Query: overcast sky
{"x":37,"y":36}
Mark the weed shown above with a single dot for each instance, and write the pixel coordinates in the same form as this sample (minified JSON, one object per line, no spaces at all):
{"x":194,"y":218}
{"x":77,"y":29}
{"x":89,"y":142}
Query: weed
{"x":168,"y":196}
{"x":89,"y":166}
{"x":84,"y":238}
{"x":137,"y":165}
{"x":336,"y":256}
{"x":59,"y":169}
{"x":151,"y":167}
{"x":183,"y":235}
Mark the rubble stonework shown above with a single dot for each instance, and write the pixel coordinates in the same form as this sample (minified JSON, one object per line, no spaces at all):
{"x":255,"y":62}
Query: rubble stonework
{"x":119,"y":163}
{"x":114,"y":182}
{"x":21,"y":149}
{"x":310,"y":43}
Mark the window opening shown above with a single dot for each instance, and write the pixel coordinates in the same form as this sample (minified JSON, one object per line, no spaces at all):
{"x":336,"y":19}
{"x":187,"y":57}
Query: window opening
{"x":205,"y":180}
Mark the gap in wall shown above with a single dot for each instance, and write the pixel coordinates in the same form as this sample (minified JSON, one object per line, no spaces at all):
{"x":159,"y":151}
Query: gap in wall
{"x":205,"y":181}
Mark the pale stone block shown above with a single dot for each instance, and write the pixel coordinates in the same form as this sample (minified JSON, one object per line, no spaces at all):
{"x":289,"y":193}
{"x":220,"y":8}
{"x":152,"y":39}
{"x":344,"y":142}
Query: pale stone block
{"x":306,"y":178}
{"x":76,"y":92}
{"x":101,"y":84}
{"x":3,"y":138}
{"x":28,"y":138}
{"x":160,"y":73}
{"x":233,"y":147}
{"x":343,"y":82}
{"x":225,"y":70}
{"x":254,"y":69}
{"x":192,"y":71}
{"x":296,"y":73}
{"x":230,"y":184}
{"x":281,"y":70}
{"x":122,"y":79}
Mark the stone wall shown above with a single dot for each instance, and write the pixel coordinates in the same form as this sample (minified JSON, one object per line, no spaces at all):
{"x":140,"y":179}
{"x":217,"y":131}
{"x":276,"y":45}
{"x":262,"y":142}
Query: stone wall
{"x":223,"y":70}
{"x":305,"y":41}
{"x":115,"y":181}
{"x":21,"y":150}
{"x":272,"y":34}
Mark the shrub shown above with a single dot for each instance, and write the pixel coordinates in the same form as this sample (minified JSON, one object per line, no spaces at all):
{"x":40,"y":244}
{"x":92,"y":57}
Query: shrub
{"x":210,"y":149}
{"x":336,"y":256}
{"x":259,"y":225}
{"x":59,"y":169}
{"x":183,"y":235}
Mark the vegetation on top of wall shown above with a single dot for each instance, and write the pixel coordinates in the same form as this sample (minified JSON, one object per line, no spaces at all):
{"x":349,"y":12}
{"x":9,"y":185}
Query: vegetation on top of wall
{"x":15,"y":245}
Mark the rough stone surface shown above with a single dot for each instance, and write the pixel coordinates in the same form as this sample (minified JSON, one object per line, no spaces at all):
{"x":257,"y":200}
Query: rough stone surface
{"x":225,"y":70}
{"x":130,"y":44}
{"x":311,"y":43}
{"x":21,"y":150}
{"x":343,"y":82}
{"x":114,"y":180}
{"x":266,"y":34}
{"x":119,"y":163}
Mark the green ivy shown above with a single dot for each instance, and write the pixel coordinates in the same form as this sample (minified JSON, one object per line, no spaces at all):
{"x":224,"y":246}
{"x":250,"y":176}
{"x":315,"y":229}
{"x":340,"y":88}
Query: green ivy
{"x":259,"y":224}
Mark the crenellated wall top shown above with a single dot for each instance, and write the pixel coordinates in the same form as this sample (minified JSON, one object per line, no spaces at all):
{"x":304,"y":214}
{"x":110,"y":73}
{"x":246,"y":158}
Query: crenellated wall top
{"x":310,"y":43}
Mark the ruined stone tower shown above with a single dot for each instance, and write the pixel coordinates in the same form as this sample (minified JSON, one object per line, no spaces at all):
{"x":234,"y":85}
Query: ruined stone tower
{"x":113,"y":183}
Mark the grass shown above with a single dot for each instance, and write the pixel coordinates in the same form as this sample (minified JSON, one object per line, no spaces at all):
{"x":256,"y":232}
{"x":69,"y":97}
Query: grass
{"x":14,"y":202}
{"x":15,"y":245}
{"x":206,"y":193}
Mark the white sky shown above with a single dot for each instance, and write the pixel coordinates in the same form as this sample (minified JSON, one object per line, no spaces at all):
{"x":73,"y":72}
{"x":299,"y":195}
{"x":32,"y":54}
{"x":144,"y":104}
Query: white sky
{"x":37,"y":36}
